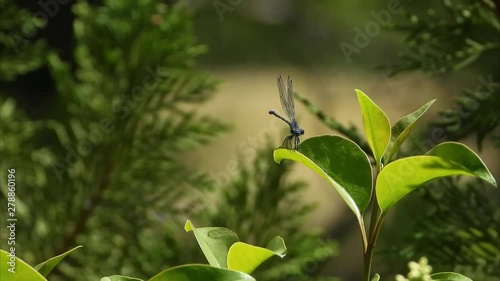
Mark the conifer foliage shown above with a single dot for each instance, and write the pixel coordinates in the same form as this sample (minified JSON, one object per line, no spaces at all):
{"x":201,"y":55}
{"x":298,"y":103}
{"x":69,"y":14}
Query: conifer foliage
{"x":108,"y":175}
{"x":463,"y":224}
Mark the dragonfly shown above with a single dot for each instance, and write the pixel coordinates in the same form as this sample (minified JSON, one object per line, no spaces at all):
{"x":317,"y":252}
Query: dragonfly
{"x":288,"y":106}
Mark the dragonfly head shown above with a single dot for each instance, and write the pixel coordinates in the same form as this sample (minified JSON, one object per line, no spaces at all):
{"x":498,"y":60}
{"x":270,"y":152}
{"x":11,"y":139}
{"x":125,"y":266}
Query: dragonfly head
{"x":296,"y":131}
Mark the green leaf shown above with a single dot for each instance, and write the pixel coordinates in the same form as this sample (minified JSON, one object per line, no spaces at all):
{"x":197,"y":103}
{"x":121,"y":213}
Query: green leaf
{"x":193,"y":272}
{"x":376,"y":125}
{"x":45,"y":267}
{"x":214,"y":242}
{"x":277,"y":245}
{"x":246,"y":258}
{"x":402,"y":176}
{"x":376,"y":277}
{"x":461,"y":154}
{"x":401,"y":130}
{"x":449,"y":276}
{"x":120,"y":278}
{"x":22,"y":270}
{"x":341,"y":162}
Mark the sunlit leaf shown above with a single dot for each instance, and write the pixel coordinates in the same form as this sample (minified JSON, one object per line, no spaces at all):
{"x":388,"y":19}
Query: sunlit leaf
{"x":460,"y":153}
{"x":45,"y":267}
{"x":402,"y":176}
{"x":13,"y":268}
{"x":401,"y":130}
{"x":214,"y":242}
{"x":245,"y":257}
{"x":376,"y":125}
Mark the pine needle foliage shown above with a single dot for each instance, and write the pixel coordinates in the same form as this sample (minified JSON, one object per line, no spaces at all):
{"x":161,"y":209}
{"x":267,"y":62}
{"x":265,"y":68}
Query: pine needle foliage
{"x":461,"y":232}
{"x":108,"y":176}
{"x":134,"y":67}
{"x":448,"y":37}
{"x":465,"y":241}
{"x":113,"y":179}
{"x":475,"y":113}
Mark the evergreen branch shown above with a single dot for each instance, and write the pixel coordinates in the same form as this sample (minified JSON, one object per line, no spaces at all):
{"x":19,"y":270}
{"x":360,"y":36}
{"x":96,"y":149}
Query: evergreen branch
{"x":438,"y":44}
{"x":464,"y":235}
{"x":88,"y":211}
{"x":474,"y":113}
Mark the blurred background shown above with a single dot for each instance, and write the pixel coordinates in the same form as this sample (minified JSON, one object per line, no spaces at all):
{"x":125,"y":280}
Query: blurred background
{"x":123,"y":120}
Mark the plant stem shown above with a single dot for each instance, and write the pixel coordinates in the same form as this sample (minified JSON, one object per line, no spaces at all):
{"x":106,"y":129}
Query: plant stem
{"x":367,"y":259}
{"x":368,"y":253}
{"x":363,"y":234}
{"x":372,"y":240}
{"x":375,"y":222}
{"x":374,"y":215}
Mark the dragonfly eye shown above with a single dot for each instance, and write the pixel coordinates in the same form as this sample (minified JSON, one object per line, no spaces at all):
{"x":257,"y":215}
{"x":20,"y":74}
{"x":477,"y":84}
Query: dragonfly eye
{"x":302,"y":131}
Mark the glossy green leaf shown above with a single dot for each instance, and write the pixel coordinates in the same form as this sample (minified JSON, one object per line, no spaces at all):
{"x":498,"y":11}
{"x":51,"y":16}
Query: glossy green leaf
{"x":120,"y":278}
{"x":214,"y":242}
{"x":192,"y":272}
{"x":461,"y":154}
{"x":401,"y":130}
{"x":402,"y":176}
{"x":19,"y":271}
{"x":341,"y":162}
{"x":449,"y":276}
{"x":376,"y":125}
{"x":45,"y":267}
{"x":246,"y":258}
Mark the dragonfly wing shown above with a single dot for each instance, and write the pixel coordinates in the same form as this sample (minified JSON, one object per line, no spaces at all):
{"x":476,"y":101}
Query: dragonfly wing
{"x":286,"y":97}
{"x":283,"y":94}
{"x":290,"y":111}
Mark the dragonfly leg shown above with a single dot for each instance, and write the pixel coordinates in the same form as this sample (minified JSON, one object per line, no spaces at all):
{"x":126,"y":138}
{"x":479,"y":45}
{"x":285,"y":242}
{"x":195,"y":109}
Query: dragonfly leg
{"x":297,"y":141}
{"x":287,"y":143}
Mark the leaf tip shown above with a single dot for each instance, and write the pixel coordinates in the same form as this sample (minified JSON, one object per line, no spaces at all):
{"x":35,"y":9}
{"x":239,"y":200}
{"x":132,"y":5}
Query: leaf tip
{"x":493,"y":182}
{"x":359,"y":92}
{"x":277,"y":245}
{"x":188,"y":226}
